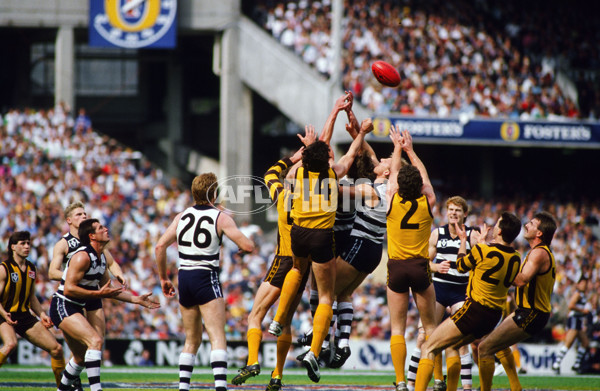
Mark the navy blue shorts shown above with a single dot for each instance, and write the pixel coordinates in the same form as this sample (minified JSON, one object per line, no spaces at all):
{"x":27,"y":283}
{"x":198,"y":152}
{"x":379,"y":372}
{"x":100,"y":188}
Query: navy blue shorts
{"x":449,"y":294}
{"x":342,"y":239}
{"x":61,"y":309}
{"x":197,"y":287}
{"x":93,"y":304}
{"x":363,"y":254}
{"x":576,"y":323}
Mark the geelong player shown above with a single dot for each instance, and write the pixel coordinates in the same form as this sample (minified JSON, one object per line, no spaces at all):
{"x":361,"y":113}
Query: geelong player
{"x":198,"y":231}
{"x":86,"y":278}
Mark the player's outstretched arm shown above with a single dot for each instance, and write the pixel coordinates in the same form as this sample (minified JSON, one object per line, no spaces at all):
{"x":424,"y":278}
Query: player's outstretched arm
{"x":226,"y":225}
{"x":353,"y":127}
{"x":392,"y":187}
{"x":343,"y":165}
{"x":342,"y":103}
{"x":407,"y":146}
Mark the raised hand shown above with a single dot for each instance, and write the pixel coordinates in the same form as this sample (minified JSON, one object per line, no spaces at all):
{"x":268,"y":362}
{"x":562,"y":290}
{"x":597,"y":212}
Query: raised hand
{"x":395,"y":136}
{"x":484,"y":233}
{"x":350,"y":99}
{"x":407,"y":143}
{"x":344,"y":102}
{"x":366,"y":126}
{"x":145,"y":301}
{"x":461,"y":231}
{"x":310,"y":136}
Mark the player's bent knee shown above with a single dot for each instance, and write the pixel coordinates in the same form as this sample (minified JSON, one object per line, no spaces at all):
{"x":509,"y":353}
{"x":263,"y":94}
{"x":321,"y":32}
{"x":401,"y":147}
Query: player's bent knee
{"x":95,"y":343}
{"x":56,"y":351}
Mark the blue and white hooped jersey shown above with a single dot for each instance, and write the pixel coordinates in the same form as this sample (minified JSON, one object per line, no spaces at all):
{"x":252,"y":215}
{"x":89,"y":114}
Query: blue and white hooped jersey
{"x":73,"y":245}
{"x":92,"y":277}
{"x":371,"y":223}
{"x":346,"y":211}
{"x":198,"y":240}
{"x":447,"y":250}
{"x":581,"y":304}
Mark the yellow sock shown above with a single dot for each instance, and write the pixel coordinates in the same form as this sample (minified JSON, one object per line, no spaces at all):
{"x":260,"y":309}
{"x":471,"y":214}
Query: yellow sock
{"x":438,"y":374}
{"x":321,"y":322}
{"x":398,"y":350}
{"x":254,"y":337}
{"x":486,"y":372}
{"x":517,"y":355}
{"x":58,"y":366}
{"x":2,"y":359}
{"x":283,"y":346}
{"x":453,"y":370}
{"x":508,"y":362}
{"x":423,"y":374}
{"x":290,"y":287}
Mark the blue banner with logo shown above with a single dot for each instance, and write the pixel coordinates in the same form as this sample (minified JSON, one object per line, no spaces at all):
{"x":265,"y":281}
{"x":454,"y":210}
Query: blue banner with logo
{"x":133,"y":24}
{"x":493,"y":132}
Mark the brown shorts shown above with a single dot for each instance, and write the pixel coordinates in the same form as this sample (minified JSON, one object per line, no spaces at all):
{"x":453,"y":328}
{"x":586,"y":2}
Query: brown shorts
{"x":278,"y":270}
{"x":318,"y":244}
{"x":530,"y":320}
{"x":476,"y":319}
{"x":408,"y":273}
{"x":25,"y":321}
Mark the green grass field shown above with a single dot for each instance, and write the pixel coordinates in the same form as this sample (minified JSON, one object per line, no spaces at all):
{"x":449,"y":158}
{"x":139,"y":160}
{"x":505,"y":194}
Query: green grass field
{"x":14,"y":377}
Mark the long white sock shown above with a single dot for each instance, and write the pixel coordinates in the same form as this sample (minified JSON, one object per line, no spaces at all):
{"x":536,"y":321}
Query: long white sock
{"x":345,"y":315}
{"x":186,"y":367}
{"x":466,"y":376}
{"x":72,"y":372}
{"x":93,"y":359}
{"x":218,"y":362}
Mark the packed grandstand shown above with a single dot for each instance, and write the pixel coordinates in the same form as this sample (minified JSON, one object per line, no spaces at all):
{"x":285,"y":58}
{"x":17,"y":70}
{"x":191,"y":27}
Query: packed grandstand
{"x":461,"y":57}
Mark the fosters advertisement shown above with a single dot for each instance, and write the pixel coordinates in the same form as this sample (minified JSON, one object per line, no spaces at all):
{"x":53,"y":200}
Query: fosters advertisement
{"x":493,"y":132}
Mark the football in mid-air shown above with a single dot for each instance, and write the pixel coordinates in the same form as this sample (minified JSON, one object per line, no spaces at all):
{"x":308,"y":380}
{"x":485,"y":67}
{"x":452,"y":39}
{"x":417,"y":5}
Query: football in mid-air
{"x":385,"y":73}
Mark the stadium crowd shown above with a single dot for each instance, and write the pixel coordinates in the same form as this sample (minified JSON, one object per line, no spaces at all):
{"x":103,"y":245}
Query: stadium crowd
{"x":464,"y":58}
{"x":49,"y":159}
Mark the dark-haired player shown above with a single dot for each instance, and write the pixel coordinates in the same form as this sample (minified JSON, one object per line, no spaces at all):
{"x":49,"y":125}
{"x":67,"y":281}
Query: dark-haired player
{"x":493,"y":269}
{"x":86,"y":278}
{"x":17,"y":298}
{"x":410,"y":198}
{"x":313,"y":212}
{"x":534,"y":283}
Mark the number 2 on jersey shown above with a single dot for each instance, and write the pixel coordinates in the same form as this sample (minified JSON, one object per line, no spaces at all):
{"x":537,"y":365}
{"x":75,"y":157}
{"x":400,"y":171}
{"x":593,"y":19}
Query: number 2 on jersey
{"x":404,"y":224}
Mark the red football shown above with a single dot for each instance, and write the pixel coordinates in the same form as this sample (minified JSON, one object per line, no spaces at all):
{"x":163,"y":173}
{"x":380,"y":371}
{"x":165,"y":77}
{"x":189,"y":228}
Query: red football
{"x":385,"y":73}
